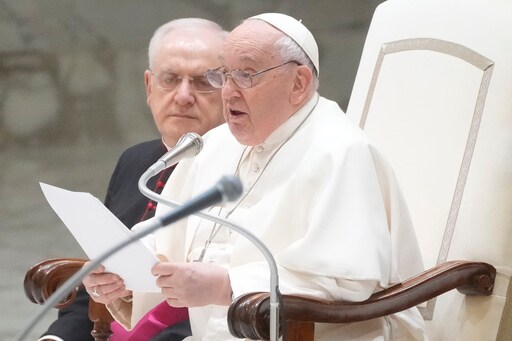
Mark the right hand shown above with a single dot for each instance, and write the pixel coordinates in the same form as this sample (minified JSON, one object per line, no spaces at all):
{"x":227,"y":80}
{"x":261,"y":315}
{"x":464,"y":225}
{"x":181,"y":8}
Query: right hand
{"x":105,"y":287}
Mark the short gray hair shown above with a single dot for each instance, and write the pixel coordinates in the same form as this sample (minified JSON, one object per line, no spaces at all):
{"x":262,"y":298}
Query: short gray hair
{"x":288,"y":49}
{"x":166,"y":28}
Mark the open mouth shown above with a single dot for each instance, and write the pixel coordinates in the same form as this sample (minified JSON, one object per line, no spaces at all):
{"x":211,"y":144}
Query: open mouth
{"x":236,"y":112}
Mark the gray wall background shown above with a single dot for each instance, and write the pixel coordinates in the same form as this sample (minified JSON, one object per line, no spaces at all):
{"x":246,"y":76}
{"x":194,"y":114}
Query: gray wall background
{"x":72,"y":98}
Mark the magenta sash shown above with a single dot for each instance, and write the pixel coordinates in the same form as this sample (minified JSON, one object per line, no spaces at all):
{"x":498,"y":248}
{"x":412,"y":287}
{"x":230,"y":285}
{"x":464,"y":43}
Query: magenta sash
{"x":155,"y":320}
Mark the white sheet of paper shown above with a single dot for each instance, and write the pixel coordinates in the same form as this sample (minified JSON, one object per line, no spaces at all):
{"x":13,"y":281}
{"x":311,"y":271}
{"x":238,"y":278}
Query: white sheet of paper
{"x":96,"y":229}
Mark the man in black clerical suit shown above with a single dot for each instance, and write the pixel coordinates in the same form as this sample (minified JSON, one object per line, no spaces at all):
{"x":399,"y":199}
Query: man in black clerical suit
{"x":181,"y":100}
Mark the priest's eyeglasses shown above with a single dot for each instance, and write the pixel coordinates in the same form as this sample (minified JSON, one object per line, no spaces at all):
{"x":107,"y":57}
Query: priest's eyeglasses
{"x":243,"y":79}
{"x":169,"y":81}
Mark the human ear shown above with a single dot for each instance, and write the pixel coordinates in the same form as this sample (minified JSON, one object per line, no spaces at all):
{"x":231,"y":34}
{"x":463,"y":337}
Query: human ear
{"x":301,"y":84}
{"x":147,"y":83}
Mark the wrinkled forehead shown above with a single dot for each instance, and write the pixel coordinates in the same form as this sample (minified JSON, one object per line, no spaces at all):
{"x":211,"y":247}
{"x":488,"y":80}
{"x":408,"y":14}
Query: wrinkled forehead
{"x":251,"y":42}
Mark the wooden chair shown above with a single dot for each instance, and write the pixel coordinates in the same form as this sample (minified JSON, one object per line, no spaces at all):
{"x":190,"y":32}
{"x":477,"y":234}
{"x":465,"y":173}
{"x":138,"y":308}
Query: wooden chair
{"x":433,"y":90}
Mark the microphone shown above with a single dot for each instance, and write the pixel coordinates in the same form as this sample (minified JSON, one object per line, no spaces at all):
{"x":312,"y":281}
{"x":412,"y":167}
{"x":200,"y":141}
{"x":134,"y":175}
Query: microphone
{"x":188,"y":145}
{"x":228,"y":188}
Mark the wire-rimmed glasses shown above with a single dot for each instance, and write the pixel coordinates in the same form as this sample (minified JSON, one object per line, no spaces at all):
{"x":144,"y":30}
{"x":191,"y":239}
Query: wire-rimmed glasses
{"x":243,"y":79}
{"x":169,"y":81}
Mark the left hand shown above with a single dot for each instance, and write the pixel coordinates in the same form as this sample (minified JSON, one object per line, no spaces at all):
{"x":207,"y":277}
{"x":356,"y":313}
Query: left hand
{"x":104,"y":287}
{"x":193,"y":284}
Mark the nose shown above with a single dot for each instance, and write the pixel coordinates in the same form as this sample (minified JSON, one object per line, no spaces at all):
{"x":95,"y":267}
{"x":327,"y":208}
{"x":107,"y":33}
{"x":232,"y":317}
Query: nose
{"x":184,"y":92}
{"x":230,"y":89}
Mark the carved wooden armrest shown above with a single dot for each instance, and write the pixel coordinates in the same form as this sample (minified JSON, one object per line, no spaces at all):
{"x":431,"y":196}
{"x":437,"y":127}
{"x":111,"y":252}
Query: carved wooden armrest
{"x":249,"y":314}
{"x":44,"y":278}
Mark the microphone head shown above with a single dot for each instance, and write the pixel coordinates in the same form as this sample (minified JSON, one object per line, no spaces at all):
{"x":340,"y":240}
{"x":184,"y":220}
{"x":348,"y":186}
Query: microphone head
{"x":191,"y":138}
{"x":230,"y":187}
{"x":188,"y":145}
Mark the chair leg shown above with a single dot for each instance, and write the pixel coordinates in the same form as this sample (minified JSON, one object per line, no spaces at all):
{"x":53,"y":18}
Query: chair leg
{"x":101,"y":331}
{"x":101,"y":317}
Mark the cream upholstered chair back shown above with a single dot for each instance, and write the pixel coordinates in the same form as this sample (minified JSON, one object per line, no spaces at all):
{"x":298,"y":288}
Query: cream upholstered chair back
{"x":434,"y":91}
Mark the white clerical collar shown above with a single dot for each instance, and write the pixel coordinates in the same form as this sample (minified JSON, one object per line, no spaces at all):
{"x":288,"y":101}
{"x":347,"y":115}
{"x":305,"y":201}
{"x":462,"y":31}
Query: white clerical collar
{"x":165,"y":144}
{"x":287,"y":128}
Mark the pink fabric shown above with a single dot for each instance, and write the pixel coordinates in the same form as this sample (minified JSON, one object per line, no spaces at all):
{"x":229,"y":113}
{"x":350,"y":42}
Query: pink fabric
{"x":156,"y":320}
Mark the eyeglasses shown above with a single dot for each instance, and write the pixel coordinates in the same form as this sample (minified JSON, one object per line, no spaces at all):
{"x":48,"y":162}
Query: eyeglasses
{"x":243,"y":79}
{"x":168,"y":81}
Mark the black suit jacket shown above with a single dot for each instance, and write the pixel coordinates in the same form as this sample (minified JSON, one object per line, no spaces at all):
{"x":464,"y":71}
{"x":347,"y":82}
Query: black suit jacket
{"x":130,"y":206}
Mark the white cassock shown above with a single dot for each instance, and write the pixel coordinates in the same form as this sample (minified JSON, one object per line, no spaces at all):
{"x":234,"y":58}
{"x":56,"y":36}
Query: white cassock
{"x":323,"y":200}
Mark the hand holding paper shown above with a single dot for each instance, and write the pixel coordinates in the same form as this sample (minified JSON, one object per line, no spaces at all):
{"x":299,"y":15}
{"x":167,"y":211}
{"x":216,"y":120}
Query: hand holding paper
{"x":96,"y":229}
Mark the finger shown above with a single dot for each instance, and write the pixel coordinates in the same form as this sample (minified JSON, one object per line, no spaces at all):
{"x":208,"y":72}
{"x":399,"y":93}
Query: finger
{"x":92,"y":292}
{"x":115,"y":294}
{"x":108,"y":289}
{"x":162,"y":268}
{"x":103,"y":283}
{"x":90,"y":281}
{"x":164,"y":281}
{"x":95,"y":293}
{"x":112,"y":296}
{"x":106,"y":279}
{"x":108,"y":292}
{"x":99,"y":269}
{"x":161,"y":258}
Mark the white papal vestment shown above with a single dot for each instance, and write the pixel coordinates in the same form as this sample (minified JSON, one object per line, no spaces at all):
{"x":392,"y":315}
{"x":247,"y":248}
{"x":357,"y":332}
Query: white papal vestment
{"x":323,"y":200}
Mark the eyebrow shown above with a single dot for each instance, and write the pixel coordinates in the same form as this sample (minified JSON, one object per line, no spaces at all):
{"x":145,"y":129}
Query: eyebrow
{"x":169,"y":71}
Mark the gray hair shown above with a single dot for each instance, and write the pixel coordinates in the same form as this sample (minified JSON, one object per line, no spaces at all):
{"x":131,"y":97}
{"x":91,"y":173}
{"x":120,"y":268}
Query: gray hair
{"x":288,"y":49}
{"x":172,"y":25}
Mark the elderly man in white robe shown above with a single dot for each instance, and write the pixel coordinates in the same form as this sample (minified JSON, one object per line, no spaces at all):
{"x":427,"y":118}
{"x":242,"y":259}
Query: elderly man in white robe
{"x":317,"y":192}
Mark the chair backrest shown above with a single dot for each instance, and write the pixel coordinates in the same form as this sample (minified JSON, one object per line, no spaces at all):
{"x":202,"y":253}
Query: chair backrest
{"x":434,"y":91}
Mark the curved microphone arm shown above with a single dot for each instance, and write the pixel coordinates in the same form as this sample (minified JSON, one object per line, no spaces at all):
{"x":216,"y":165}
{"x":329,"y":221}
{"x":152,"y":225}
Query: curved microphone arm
{"x":274,"y":277}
